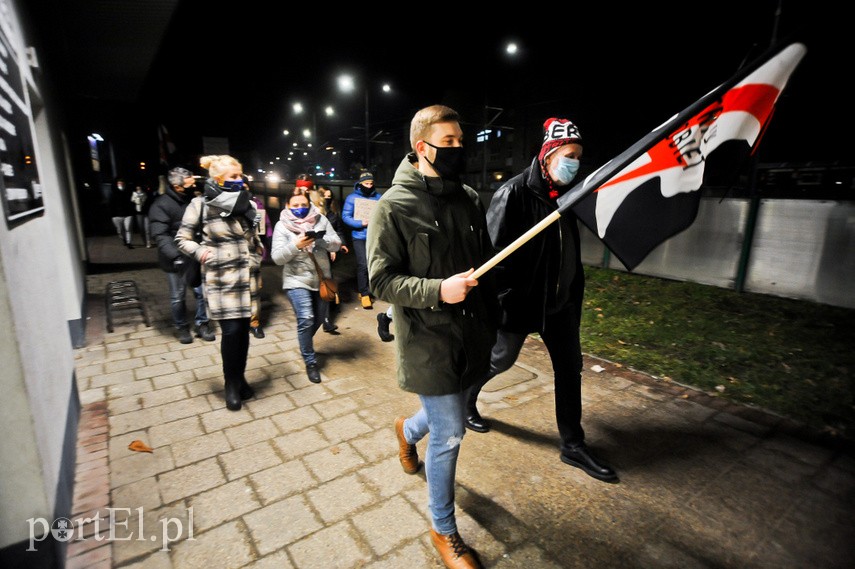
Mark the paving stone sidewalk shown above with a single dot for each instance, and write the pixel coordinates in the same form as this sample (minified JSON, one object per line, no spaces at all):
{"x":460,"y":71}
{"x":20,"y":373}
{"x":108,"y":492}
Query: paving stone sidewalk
{"x":306,"y":476}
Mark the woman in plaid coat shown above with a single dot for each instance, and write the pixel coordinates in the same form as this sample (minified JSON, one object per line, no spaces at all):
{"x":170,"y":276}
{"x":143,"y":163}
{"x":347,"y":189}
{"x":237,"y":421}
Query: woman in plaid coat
{"x":230,"y":253}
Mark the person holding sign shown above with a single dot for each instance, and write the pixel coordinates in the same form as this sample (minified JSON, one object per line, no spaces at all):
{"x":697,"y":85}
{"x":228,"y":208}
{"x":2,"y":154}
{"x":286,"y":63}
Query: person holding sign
{"x":542,"y":285}
{"x":355,"y":214}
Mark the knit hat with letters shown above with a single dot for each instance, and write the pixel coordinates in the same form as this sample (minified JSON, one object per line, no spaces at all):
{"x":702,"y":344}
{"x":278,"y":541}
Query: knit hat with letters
{"x":557,"y":133}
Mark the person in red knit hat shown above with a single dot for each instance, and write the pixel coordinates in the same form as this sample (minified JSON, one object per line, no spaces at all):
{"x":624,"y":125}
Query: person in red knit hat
{"x":541,"y":286}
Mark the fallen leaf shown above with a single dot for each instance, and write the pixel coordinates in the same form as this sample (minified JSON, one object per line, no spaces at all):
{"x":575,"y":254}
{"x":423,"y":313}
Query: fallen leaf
{"x":597,"y":368}
{"x":720,"y":388}
{"x":140,"y":446}
{"x":335,"y":450}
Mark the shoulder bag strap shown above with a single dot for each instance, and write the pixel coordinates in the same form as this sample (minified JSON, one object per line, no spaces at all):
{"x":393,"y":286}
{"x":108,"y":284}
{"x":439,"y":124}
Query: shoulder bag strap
{"x":317,"y":266}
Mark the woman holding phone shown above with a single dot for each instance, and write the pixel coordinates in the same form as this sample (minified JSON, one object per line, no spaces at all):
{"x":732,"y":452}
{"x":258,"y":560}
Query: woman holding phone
{"x":301,"y":240}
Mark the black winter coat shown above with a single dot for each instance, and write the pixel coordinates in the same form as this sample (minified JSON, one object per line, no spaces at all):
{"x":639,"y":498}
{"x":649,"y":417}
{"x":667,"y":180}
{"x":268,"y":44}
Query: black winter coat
{"x":545,"y":275}
{"x":165,"y":218}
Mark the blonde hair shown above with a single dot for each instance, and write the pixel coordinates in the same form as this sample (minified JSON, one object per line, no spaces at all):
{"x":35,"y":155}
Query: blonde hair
{"x":427,"y":117}
{"x":316,"y":198}
{"x":216,"y":165}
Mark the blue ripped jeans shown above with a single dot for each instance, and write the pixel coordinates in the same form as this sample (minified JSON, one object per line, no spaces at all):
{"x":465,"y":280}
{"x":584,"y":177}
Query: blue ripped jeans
{"x":441,"y":416}
{"x":310,"y":311}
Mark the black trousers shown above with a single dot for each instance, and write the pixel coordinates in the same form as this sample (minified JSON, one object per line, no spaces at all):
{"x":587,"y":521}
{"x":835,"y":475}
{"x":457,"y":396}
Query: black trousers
{"x":234,"y":347}
{"x":361,"y":267}
{"x":561,"y":338}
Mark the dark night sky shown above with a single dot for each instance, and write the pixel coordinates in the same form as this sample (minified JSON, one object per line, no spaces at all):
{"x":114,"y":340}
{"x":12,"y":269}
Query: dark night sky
{"x":617,"y":72}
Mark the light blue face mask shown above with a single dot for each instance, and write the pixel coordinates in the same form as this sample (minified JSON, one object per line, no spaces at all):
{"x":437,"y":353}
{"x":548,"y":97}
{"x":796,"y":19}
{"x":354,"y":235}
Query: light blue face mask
{"x":565,"y":170}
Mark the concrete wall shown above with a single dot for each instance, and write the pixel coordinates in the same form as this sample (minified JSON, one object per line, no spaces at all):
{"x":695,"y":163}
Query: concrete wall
{"x":801,"y":249}
{"x":41,"y":294}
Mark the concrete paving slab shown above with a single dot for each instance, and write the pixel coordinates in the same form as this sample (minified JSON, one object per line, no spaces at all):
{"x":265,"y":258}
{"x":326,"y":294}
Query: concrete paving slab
{"x":306,"y":476}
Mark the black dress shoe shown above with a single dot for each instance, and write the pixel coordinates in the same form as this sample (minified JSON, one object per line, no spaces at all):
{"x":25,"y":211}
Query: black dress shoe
{"x":475,"y":422}
{"x":329,"y":327}
{"x":256,"y":331}
{"x":580,"y":457}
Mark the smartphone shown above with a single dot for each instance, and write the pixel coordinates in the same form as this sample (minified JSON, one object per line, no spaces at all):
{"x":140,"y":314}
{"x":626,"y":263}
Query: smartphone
{"x":316,"y":234}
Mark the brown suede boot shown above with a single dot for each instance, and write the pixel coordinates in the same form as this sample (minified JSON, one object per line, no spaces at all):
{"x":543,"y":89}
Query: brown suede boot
{"x":454,"y":553}
{"x":406,"y":452}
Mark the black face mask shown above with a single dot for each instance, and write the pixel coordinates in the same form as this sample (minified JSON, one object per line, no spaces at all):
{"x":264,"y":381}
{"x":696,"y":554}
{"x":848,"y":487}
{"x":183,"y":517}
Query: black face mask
{"x":327,"y":202}
{"x":449,"y":162}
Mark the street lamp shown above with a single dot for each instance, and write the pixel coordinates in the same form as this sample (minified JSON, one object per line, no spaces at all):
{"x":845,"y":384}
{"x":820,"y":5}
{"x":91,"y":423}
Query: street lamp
{"x":346,"y":84}
{"x":299,"y":109}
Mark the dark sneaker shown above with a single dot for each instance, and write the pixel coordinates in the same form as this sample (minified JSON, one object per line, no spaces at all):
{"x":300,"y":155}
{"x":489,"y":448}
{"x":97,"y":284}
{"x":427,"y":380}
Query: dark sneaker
{"x":204,"y":331}
{"x":184,"y":335}
{"x":313,"y":373}
{"x":329,"y":327}
{"x":256,"y":331}
{"x":383,"y":322}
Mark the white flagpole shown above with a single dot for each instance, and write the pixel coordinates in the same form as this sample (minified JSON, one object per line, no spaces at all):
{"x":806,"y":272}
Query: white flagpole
{"x":552,"y":217}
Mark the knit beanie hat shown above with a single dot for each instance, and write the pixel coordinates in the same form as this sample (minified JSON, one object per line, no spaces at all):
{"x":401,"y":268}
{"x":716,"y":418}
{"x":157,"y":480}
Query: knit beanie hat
{"x":557,"y":133}
{"x":177,"y":175}
{"x":365,"y":177}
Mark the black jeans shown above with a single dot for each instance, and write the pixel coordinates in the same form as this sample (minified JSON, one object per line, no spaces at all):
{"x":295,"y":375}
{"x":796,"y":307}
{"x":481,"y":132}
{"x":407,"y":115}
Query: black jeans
{"x":234,"y":347}
{"x":361,"y":267}
{"x":561,"y":337}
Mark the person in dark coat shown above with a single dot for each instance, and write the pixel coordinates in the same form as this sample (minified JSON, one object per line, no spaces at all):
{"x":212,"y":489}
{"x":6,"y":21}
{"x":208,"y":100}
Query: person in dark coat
{"x":428,"y":234}
{"x":541,"y":286}
{"x":165,"y":217}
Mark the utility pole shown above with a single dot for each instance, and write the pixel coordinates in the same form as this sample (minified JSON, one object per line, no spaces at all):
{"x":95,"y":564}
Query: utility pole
{"x":367,"y":135}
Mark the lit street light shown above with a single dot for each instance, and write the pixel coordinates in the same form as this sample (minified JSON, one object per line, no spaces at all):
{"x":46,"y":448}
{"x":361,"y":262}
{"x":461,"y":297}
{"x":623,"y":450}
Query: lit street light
{"x":346,"y":84}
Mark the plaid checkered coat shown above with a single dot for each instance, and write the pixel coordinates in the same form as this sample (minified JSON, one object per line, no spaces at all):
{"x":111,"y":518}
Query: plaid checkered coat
{"x":230,"y":273}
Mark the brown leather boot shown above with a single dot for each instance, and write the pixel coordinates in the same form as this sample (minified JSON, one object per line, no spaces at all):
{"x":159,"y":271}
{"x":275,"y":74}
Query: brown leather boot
{"x":454,"y":553}
{"x":406,"y":452}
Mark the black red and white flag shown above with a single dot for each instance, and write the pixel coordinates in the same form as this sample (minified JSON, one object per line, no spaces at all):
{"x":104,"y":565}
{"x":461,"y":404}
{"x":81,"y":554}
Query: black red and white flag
{"x":649,"y":192}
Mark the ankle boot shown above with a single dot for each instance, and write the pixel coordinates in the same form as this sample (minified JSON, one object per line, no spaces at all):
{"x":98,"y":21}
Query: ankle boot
{"x":233,"y":394}
{"x":474,"y":421}
{"x":246,"y":390}
{"x":454,"y":552}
